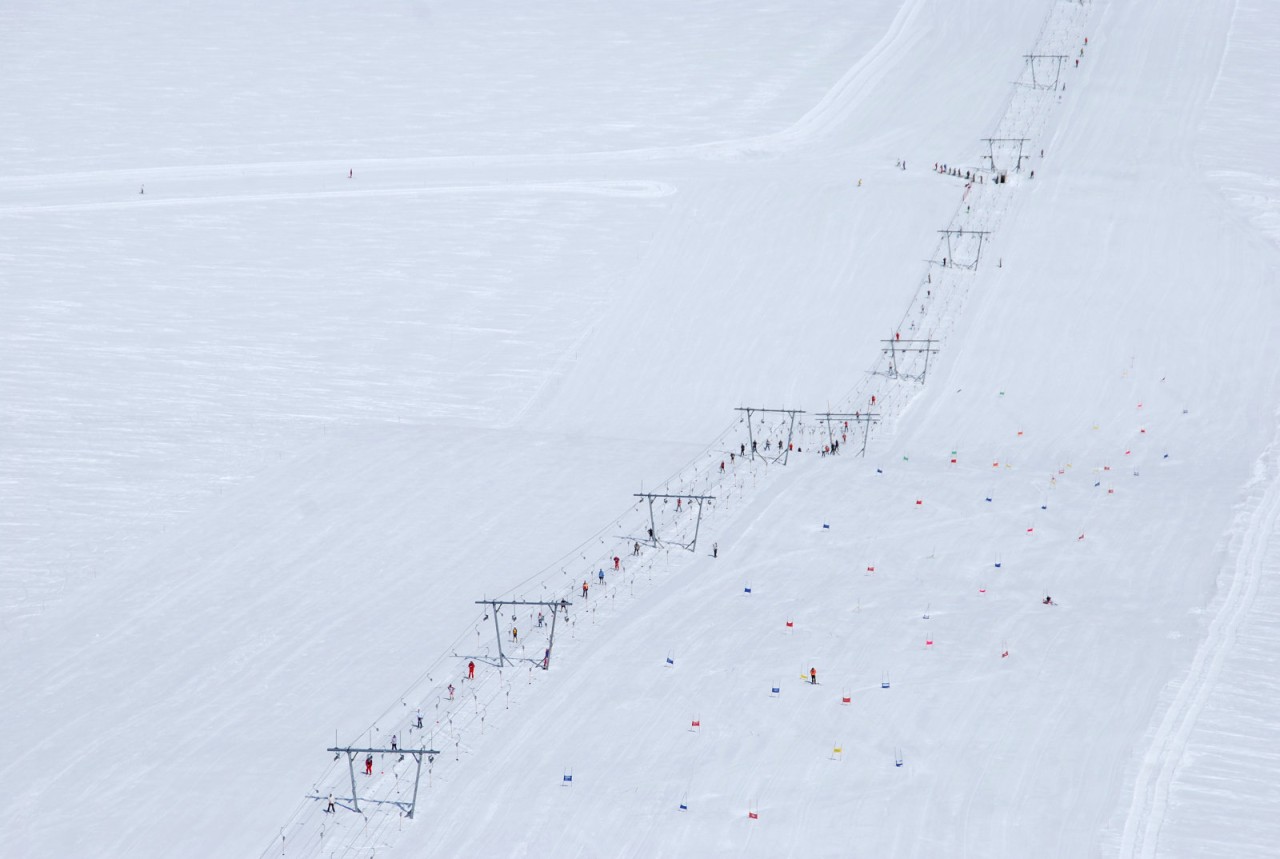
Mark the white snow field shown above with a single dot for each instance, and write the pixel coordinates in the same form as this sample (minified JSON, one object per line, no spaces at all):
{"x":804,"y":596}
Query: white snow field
{"x":419,"y":295}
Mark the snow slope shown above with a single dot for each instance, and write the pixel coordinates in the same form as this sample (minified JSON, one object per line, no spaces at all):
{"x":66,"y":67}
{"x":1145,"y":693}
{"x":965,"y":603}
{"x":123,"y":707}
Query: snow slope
{"x":270,"y":431}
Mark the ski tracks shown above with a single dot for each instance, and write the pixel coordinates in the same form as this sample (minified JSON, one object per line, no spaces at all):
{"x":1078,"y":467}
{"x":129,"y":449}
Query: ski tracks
{"x":184,"y":196}
{"x":1254,"y":525}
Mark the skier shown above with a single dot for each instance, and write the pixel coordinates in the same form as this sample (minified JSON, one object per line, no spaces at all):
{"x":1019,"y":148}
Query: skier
{"x":419,"y":717}
{"x":715,"y":550}
{"x":546,"y":659}
{"x":351,"y":174}
{"x":722,"y":466}
{"x":368,"y":765}
{"x":635,"y":549}
{"x":1048,"y":600}
{"x":331,"y":808}
{"x":540,"y":619}
{"x":515,"y":634}
{"x":584,"y":588}
{"x":617,"y":562}
{"x":651,"y":534}
{"x":742,"y":449}
{"x":602,"y":575}
{"x":813,"y":676}
{"x":471,"y":671}
{"x":394,"y":747}
{"x":450,"y":691}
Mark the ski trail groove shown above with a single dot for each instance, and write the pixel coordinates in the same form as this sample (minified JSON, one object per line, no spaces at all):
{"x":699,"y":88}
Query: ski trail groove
{"x":1163,"y":757}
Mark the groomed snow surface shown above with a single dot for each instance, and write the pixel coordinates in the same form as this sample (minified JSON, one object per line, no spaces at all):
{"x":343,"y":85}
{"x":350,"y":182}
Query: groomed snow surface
{"x":319,"y":324}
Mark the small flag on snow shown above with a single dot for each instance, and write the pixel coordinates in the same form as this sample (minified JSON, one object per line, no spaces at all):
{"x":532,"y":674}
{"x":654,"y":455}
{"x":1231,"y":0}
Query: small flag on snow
{"x":753,"y":815}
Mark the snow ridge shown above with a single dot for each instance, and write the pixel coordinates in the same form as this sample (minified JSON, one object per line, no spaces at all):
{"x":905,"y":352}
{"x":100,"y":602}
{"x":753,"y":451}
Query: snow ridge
{"x":1254,"y":526}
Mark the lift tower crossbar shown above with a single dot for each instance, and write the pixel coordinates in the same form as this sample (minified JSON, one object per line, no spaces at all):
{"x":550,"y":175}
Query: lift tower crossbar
{"x":653,"y":524}
{"x":960,"y":234}
{"x":750,"y":410}
{"x":1057,"y":69}
{"x":496,"y":607}
{"x":917,"y":347}
{"x":864,"y":418}
{"x":351,"y":764}
{"x":991,"y":147}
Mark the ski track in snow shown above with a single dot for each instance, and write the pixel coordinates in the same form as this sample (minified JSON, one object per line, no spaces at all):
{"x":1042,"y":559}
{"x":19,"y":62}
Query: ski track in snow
{"x":606,"y":189}
{"x":167,"y":183}
{"x":1256,"y":525}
